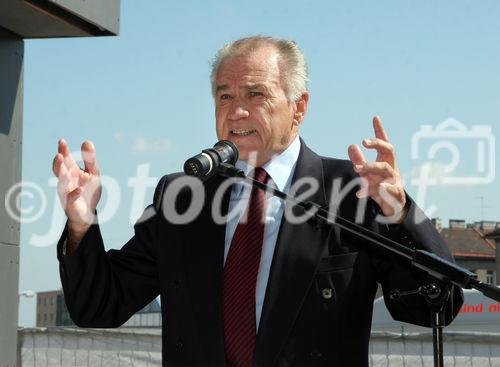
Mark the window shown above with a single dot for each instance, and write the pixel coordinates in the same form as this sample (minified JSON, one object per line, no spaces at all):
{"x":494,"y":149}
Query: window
{"x":44,"y":317}
{"x":489,"y":276}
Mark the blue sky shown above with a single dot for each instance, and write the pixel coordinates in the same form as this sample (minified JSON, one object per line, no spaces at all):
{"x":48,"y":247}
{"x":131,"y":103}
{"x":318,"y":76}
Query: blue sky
{"x":144,"y":97}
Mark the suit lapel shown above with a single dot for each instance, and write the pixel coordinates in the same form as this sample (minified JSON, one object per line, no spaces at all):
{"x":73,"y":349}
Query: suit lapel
{"x":298,"y":251}
{"x":204,"y":259}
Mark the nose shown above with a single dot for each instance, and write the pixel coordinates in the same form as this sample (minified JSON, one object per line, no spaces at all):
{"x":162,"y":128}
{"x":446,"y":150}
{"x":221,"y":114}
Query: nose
{"x":238,"y":111}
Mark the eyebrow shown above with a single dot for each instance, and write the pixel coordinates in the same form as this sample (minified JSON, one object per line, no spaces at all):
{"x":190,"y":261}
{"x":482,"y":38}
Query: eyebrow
{"x":221,"y":87}
{"x":255,"y":86}
{"x":247,"y":87}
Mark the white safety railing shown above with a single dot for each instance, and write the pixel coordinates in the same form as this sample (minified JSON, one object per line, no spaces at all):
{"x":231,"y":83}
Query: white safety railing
{"x":461,"y":349}
{"x":44,"y":347}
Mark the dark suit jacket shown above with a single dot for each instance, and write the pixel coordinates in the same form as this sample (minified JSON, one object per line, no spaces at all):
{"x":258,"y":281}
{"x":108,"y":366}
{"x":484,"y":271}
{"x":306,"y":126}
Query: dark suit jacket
{"x":319,"y":297}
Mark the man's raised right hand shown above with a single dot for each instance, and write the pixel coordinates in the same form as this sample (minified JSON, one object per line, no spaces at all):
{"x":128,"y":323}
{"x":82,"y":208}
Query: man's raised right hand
{"x":79,"y":189}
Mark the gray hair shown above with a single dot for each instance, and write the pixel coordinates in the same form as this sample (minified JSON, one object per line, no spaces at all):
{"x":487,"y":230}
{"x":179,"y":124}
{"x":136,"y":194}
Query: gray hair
{"x":292,"y":63}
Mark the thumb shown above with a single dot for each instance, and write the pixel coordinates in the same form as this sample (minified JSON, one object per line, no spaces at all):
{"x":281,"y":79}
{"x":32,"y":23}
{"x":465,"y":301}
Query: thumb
{"x":356,"y":155}
{"x":89,"y":157}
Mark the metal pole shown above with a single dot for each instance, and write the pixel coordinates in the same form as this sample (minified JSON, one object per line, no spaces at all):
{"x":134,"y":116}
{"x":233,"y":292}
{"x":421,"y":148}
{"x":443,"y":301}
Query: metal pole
{"x":437,"y":338}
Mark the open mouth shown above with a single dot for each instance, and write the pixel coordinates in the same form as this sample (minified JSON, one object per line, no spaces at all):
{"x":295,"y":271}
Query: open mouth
{"x":242,"y":132}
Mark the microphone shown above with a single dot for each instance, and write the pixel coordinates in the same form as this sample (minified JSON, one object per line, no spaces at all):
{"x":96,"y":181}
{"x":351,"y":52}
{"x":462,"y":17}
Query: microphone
{"x":206,"y":163}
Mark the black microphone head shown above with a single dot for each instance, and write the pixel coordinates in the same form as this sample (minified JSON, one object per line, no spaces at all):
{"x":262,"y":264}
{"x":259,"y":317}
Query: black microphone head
{"x":200,"y":165}
{"x":206,"y":163}
{"x":227,"y":151}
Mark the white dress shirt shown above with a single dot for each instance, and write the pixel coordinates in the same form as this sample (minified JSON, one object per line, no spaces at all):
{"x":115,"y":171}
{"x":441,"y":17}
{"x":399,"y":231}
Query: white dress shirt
{"x":280,"y":170}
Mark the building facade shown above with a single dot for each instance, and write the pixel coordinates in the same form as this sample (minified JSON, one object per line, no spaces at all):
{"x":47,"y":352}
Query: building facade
{"x":46,"y":308}
{"x":471,"y":246}
{"x":51,"y":310}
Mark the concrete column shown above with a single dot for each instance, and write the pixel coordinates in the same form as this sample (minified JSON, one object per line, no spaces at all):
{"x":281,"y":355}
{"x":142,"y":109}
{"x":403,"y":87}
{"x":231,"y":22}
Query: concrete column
{"x":11,"y":120}
{"x":497,"y":262}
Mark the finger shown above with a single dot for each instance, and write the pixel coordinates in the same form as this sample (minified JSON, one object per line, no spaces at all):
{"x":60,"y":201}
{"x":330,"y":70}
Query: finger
{"x":371,"y":191}
{"x":379,"y":129}
{"x":65,"y":178}
{"x":393,"y":195}
{"x":384,"y":149}
{"x":63,"y":149}
{"x":72,"y":168}
{"x":57,"y":165}
{"x":85,"y":178}
{"x":89,"y":157}
{"x":64,"y":189}
{"x":393,"y":189}
{"x":73,"y":195}
{"x":356,"y":155}
{"x":383,"y":169}
{"x":374,"y":191}
{"x":375,"y":179}
{"x":383,"y":189}
{"x":379,"y":144}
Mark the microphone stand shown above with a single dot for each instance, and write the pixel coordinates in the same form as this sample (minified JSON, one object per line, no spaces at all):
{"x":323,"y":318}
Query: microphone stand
{"x":444,"y":272}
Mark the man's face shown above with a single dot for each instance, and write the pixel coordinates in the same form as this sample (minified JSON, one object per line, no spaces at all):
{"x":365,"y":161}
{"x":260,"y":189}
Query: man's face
{"x":251,"y":106}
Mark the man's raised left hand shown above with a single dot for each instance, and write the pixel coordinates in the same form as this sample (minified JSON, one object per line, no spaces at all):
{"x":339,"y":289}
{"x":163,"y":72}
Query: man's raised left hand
{"x":383,"y":181}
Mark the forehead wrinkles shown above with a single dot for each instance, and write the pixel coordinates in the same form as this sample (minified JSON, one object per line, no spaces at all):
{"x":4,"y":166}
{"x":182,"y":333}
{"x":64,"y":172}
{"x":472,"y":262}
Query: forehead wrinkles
{"x":255,"y":67}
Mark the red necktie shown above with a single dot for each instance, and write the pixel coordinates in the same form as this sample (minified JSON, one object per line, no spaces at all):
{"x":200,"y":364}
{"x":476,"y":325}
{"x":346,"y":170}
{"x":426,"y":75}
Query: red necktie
{"x":240,"y":277}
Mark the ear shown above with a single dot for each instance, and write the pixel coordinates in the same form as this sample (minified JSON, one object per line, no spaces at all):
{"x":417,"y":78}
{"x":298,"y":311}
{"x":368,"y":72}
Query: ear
{"x":300,"y":108}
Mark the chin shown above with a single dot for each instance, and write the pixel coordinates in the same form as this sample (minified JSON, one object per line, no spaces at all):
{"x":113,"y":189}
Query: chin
{"x":246,"y":150}
{"x":243,"y":154}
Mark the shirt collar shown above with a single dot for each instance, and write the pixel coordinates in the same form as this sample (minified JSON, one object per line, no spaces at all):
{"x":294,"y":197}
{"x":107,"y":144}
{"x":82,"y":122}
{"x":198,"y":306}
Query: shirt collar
{"x":280,"y":167}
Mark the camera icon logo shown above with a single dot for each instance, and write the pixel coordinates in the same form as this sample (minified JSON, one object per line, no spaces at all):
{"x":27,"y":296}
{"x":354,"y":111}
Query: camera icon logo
{"x":451,"y":153}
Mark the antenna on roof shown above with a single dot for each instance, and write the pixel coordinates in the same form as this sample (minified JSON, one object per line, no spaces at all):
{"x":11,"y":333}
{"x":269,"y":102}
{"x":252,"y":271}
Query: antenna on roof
{"x":483,"y":207}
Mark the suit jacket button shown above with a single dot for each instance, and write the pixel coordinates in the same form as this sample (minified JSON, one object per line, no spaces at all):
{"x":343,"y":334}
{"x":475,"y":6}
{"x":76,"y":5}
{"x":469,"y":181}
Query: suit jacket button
{"x":177,"y":284}
{"x":315,"y":354}
{"x":327,"y":293}
{"x":179,"y":345}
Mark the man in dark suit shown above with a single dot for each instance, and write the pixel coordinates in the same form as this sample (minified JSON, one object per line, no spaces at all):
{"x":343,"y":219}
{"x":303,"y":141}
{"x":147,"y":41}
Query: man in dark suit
{"x":237,"y":290}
